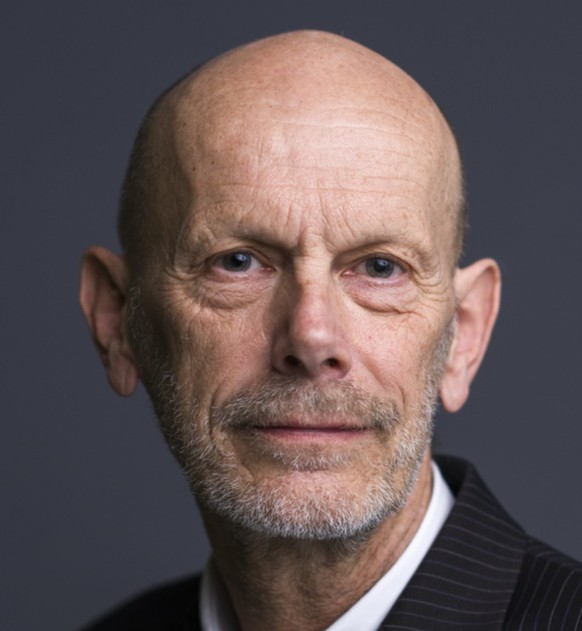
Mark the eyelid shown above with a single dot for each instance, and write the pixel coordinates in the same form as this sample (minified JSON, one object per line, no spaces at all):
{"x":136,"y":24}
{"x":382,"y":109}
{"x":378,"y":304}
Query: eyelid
{"x":258,"y":263}
{"x":400,"y":267}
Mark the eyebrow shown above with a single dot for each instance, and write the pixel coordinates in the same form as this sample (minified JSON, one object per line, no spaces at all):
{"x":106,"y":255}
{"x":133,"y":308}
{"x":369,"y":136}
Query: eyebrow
{"x":198,"y":238}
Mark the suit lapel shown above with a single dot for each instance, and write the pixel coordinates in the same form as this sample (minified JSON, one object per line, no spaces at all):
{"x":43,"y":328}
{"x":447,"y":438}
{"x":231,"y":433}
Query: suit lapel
{"x":468,"y":576}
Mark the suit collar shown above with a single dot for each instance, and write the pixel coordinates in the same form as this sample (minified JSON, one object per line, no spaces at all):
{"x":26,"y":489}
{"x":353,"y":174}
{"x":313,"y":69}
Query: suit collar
{"x":468,"y":576}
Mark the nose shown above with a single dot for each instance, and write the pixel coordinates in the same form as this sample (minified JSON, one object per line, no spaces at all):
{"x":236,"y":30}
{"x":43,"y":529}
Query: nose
{"x":309,"y":340}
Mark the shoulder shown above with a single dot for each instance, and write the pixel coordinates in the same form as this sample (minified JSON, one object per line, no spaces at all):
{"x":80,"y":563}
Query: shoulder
{"x":171,"y":607}
{"x":529,"y":584}
{"x":548,"y":593}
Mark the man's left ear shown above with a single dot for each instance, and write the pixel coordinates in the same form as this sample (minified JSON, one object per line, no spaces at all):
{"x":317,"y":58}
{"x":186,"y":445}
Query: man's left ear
{"x":103,"y":297}
{"x":478,"y":290}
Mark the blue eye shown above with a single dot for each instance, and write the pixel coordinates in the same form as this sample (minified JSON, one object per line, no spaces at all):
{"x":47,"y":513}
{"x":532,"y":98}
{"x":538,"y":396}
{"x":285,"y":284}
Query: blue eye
{"x":378,"y":267}
{"x":237,"y":261}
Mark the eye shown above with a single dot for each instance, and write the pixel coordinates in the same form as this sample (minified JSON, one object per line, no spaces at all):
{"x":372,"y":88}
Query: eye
{"x":237,"y":261}
{"x":378,"y":267}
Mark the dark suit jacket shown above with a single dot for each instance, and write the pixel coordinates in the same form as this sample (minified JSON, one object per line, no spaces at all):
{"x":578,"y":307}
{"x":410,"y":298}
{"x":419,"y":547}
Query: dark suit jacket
{"x":482,"y":573}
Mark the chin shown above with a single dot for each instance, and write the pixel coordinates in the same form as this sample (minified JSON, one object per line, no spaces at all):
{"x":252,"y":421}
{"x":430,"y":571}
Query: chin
{"x":305,"y":504}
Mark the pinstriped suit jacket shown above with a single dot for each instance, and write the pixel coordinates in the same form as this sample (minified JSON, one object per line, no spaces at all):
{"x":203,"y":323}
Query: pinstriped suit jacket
{"x":483,"y":573}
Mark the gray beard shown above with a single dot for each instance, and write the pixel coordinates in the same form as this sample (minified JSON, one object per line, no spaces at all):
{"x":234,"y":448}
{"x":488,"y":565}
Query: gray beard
{"x":322,"y":512}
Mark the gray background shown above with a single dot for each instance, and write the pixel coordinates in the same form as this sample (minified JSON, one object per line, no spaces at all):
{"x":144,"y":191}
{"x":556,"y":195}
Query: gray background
{"x":93,"y":508}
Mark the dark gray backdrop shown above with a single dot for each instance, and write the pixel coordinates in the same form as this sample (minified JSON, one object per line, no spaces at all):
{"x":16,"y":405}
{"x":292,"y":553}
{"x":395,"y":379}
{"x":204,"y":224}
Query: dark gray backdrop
{"x":92,"y":507}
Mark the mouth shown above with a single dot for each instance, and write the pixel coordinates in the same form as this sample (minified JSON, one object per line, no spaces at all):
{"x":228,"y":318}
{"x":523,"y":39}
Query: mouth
{"x":311,"y":433}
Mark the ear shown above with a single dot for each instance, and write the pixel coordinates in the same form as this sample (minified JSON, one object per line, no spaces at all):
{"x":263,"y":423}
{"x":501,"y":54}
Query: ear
{"x":103,"y":297}
{"x":477,"y":289}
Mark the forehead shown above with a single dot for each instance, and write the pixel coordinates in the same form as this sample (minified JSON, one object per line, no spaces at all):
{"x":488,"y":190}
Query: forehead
{"x":313,"y":152}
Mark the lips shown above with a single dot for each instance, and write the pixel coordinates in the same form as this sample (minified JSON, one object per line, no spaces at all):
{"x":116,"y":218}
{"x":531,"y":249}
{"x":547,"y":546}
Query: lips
{"x":313,"y":423}
{"x":297,"y":406}
{"x":311,"y":432}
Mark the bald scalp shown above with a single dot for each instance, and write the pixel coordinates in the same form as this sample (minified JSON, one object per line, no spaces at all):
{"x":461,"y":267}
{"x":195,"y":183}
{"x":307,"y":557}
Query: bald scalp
{"x":304,"y":68}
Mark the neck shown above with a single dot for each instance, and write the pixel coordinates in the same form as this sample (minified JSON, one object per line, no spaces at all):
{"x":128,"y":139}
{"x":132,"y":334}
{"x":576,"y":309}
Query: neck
{"x":308,"y":584}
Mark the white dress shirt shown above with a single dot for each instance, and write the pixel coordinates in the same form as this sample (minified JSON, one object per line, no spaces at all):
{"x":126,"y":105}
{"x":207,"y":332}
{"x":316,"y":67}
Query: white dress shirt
{"x":366,"y":614}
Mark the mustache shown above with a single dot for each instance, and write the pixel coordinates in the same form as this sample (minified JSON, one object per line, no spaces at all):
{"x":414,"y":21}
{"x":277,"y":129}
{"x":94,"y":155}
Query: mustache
{"x":280,"y":403}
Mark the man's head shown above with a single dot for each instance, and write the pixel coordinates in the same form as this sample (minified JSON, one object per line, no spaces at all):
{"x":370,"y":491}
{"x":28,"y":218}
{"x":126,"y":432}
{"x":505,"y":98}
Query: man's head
{"x":291,"y":221}
{"x":287,"y":62}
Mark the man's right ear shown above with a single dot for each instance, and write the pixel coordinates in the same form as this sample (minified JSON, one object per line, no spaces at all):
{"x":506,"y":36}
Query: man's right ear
{"x":103,"y":297}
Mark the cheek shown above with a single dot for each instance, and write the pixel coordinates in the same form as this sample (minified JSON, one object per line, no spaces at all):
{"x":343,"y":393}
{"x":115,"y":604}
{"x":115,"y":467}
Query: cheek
{"x":396,"y":351}
{"x":217,"y":353}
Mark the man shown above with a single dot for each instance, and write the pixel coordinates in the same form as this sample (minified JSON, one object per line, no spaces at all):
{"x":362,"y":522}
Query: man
{"x":292,"y":219}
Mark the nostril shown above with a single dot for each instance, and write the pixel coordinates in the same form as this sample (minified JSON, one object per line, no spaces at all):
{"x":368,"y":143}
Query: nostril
{"x":292,"y":361}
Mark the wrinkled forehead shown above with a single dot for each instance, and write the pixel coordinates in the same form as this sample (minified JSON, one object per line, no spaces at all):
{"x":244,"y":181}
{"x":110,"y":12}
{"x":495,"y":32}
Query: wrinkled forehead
{"x":325,"y":88}
{"x":343,"y":111}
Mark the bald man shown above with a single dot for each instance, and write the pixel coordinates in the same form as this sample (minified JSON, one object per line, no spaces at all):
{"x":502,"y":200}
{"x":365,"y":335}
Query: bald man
{"x":289,"y":294}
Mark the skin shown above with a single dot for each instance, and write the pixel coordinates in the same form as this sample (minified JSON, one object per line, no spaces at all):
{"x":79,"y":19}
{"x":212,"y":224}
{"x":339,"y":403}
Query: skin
{"x":315,"y":157}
